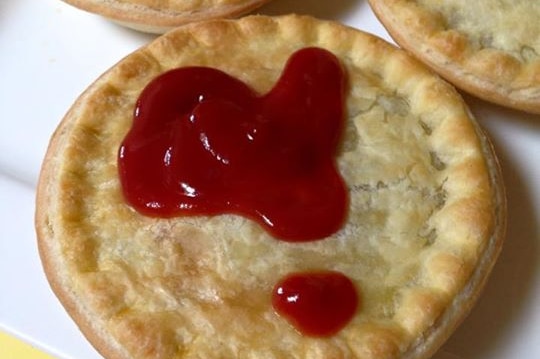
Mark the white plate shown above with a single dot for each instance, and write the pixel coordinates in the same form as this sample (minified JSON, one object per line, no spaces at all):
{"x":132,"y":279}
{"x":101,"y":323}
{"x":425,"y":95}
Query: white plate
{"x":50,"y":52}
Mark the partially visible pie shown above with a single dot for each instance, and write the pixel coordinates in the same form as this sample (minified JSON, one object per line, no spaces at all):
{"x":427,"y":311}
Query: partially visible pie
{"x":158,"y":16}
{"x":424,"y":222}
{"x":490,"y":48}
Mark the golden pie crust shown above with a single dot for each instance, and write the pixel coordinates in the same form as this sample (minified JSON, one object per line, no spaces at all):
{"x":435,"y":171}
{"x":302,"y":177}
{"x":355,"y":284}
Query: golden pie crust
{"x":425,"y":223}
{"x":488,"y":48}
{"x":159,"y":16}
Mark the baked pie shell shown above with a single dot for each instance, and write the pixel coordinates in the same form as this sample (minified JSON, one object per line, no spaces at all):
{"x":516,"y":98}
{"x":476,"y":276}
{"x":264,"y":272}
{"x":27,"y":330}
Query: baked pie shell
{"x":425,"y":225}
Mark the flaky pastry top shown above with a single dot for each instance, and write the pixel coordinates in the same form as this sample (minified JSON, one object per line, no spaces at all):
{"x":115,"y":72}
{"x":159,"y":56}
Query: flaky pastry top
{"x":424,"y":225}
{"x":490,"y":48}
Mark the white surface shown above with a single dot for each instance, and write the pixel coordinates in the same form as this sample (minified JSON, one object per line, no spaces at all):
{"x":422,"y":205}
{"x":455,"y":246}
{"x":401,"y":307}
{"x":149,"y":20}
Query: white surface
{"x":50,"y":52}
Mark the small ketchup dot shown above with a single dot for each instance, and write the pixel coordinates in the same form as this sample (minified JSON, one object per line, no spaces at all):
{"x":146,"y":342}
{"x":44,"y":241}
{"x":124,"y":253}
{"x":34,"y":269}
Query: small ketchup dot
{"x":317,"y":304}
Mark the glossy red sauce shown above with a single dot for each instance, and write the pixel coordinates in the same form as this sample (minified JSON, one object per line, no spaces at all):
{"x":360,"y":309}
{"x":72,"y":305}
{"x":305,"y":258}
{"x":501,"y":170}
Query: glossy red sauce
{"x":204,"y":143}
{"x":317,"y":304}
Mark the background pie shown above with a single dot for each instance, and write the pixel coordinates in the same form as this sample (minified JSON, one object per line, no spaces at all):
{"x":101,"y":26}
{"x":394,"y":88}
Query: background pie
{"x":158,"y":16}
{"x":488,"y":48}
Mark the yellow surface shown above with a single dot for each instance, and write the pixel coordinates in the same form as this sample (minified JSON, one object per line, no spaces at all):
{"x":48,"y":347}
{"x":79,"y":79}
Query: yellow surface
{"x":12,"y":348}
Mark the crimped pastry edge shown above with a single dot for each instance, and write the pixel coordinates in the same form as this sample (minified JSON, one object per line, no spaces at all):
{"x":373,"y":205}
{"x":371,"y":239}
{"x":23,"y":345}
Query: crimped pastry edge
{"x":463,"y":303}
{"x":417,"y":41}
{"x":50,"y":251}
{"x":49,"y":254}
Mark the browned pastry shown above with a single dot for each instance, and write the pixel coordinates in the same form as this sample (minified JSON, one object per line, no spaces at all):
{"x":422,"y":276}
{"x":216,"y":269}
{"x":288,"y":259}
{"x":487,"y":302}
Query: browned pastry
{"x":490,"y":48}
{"x":424,"y":227}
{"x":159,"y":16}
